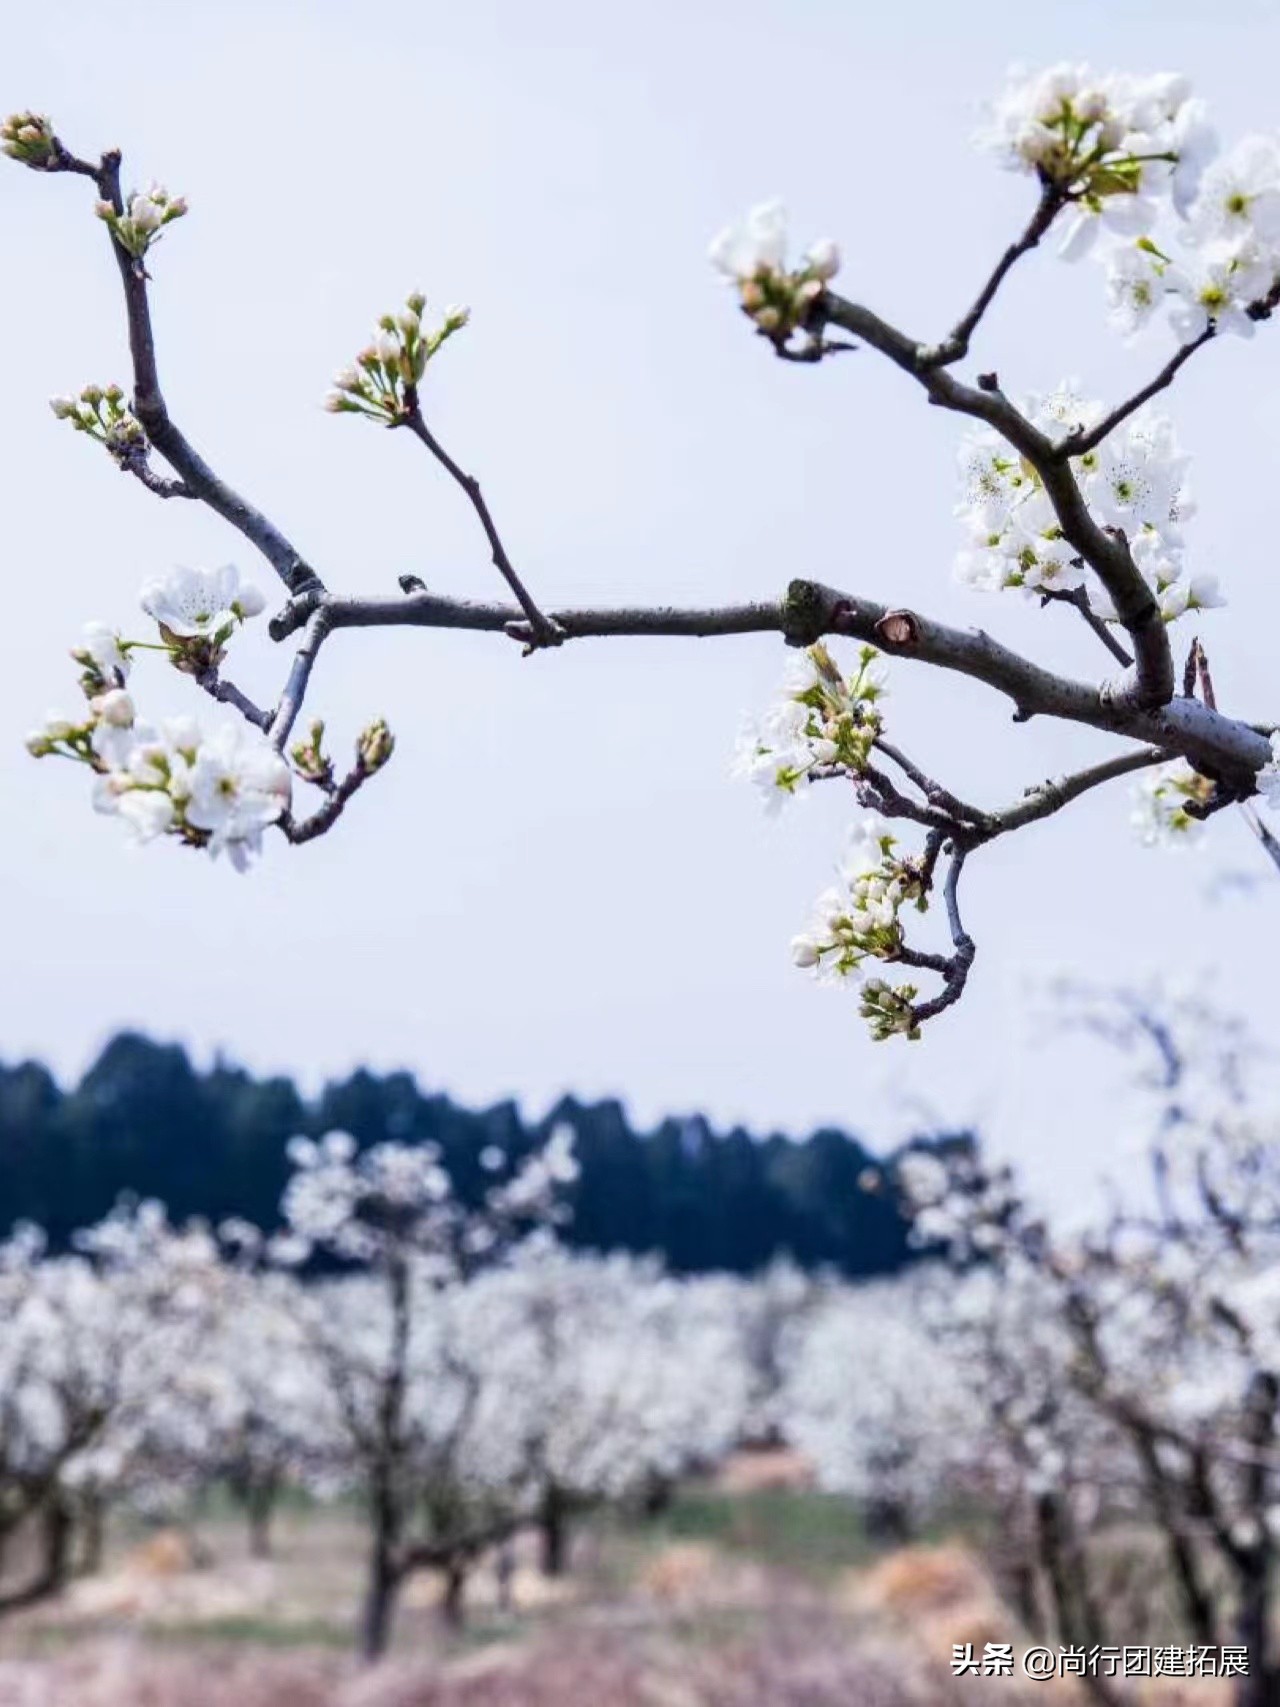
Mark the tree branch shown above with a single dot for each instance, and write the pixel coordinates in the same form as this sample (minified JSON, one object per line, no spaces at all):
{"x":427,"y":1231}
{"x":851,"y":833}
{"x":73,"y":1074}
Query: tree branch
{"x":955,"y":970}
{"x":197,"y":478}
{"x":1079,"y":600}
{"x":955,"y":346}
{"x":1079,"y":443}
{"x":226,"y":693}
{"x":1105,"y":550}
{"x":327,"y":815}
{"x":280,"y":726}
{"x":809,"y":611}
{"x":1049,"y":797}
{"x":541,"y":631}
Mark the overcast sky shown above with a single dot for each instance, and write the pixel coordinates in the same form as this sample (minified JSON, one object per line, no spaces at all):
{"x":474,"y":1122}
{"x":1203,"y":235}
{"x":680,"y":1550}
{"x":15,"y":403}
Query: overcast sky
{"x":555,"y":884}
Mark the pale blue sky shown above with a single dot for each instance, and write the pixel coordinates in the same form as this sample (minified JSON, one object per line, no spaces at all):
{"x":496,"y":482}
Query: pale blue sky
{"x":555,"y":884}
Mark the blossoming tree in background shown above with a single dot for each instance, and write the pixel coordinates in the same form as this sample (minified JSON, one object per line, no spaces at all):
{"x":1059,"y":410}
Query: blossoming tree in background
{"x":1134,"y":1366}
{"x":1065,"y":499}
{"x":407,"y":1393}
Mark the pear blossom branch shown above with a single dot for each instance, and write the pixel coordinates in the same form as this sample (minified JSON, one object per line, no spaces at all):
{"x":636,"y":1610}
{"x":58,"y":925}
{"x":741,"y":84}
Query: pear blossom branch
{"x":809,"y":611}
{"x":227,"y":693}
{"x":374,"y":747}
{"x":539,"y":630}
{"x":198,"y":479}
{"x":1105,"y":551}
{"x":326,"y":816}
{"x":1080,"y":440}
{"x":955,"y":346}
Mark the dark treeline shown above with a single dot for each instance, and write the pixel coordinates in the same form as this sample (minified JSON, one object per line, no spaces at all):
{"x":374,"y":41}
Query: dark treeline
{"x":143,"y":1121}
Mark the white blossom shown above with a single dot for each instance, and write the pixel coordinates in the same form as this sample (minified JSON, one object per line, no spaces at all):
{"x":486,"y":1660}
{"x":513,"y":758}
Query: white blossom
{"x":201,"y":604}
{"x":239,"y":784}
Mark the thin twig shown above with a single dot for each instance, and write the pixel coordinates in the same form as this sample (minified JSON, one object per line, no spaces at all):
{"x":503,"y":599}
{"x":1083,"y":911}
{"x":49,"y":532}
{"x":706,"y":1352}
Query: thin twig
{"x":1078,"y":598}
{"x":543,"y":632}
{"x":198,"y":479}
{"x":956,"y":969}
{"x":326,"y":816}
{"x":933,"y":791}
{"x":227,"y":693}
{"x":1080,"y":442}
{"x":955,"y":346}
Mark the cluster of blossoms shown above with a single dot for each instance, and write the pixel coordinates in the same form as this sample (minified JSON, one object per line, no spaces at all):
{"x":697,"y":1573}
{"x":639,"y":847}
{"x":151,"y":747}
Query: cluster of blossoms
{"x":753,"y":256}
{"x":825,"y":724}
{"x":218,"y":790}
{"x":144,"y":217}
{"x":1160,"y":801}
{"x":28,"y":137}
{"x":820,"y":722}
{"x":1135,"y":481}
{"x":102,"y":412}
{"x":391,"y":367}
{"x":367,"y":1205}
{"x":857,"y":919}
{"x":1136,"y":160}
{"x":1110,"y":144}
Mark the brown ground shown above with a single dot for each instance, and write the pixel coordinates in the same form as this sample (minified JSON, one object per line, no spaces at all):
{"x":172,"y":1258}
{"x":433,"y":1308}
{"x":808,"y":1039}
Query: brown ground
{"x":645,"y":1621}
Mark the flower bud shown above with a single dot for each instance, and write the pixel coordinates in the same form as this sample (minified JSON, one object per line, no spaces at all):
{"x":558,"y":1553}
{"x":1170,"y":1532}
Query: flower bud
{"x":456,"y":315}
{"x":416,"y":302}
{"x":64,"y":408}
{"x":375,"y":746}
{"x":28,"y":137}
{"x":115,"y":708}
{"x":146,"y":215}
{"x":823,"y":259}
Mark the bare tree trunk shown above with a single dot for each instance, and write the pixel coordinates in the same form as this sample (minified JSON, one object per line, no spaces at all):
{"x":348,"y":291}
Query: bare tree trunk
{"x":382,"y":1591}
{"x":260,"y":1503}
{"x":452,"y":1605}
{"x":553,"y":1533}
{"x":55,"y":1563}
{"x":1075,"y":1610}
{"x":1254,"y":1560}
{"x":93,"y":1525}
{"x":504,"y":1570}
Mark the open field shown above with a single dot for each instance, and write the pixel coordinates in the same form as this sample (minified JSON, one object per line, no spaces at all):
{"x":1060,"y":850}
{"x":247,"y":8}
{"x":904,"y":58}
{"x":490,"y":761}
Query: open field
{"x":734,"y":1597}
